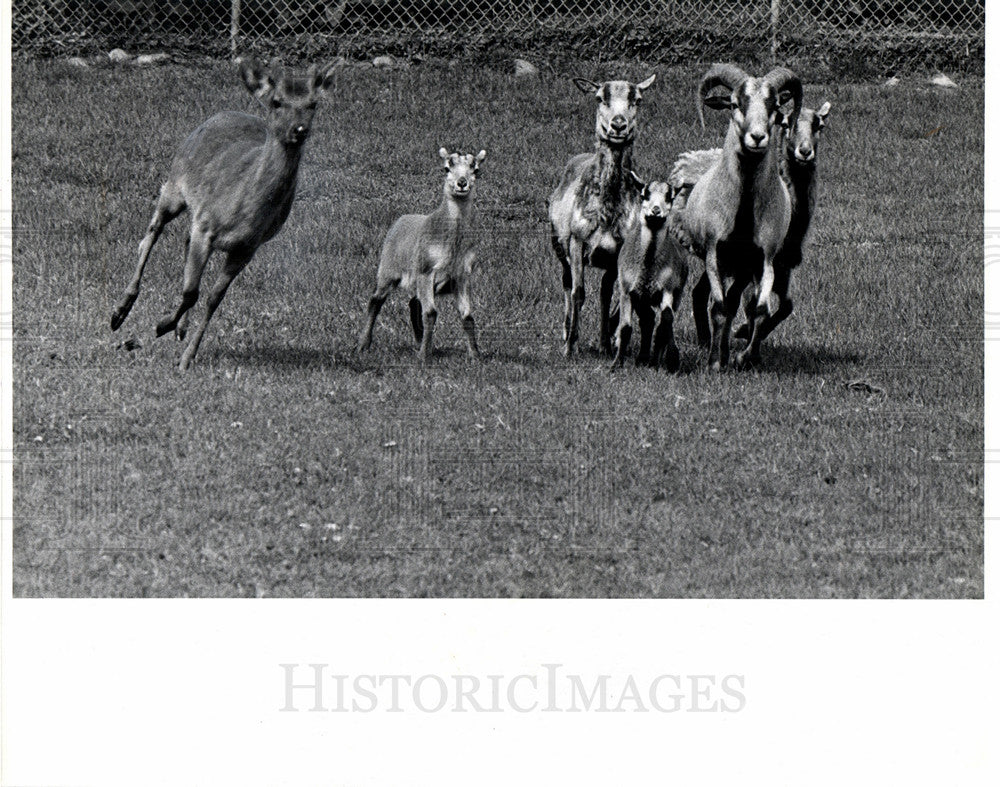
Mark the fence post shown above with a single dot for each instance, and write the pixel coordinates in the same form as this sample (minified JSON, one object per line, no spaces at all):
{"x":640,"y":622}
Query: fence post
{"x":775,"y":13}
{"x":234,"y":28}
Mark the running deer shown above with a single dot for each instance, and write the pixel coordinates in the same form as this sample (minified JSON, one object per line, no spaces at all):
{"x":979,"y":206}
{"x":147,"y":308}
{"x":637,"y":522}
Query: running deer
{"x":432,"y":254}
{"x":236,"y":173}
{"x":591,"y":205}
{"x":652,"y":271}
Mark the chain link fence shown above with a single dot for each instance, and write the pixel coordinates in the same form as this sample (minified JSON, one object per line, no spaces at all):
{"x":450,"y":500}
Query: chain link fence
{"x":858,"y":37}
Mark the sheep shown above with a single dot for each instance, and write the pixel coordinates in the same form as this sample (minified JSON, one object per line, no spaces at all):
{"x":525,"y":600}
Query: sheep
{"x":798,"y":170}
{"x":589,"y":207}
{"x":652,"y":271}
{"x":432,"y":254}
{"x":740,"y":207}
{"x":237,"y":174}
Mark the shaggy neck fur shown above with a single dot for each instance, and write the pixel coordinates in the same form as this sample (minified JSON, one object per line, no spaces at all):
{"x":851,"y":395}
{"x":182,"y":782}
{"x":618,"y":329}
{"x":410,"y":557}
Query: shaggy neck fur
{"x":613,"y":180}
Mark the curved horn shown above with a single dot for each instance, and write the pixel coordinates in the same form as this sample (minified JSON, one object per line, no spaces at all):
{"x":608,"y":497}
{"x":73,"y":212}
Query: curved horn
{"x":785,"y":80}
{"x":719,"y":74}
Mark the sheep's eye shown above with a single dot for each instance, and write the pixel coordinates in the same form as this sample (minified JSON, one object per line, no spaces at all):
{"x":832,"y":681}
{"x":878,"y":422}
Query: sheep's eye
{"x":275,"y":103}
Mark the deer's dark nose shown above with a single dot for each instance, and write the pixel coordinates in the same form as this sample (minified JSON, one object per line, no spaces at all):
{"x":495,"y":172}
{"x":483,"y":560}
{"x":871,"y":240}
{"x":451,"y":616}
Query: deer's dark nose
{"x":462,"y":182}
{"x":619,"y":124}
{"x":655,"y":210}
{"x":757,"y":137}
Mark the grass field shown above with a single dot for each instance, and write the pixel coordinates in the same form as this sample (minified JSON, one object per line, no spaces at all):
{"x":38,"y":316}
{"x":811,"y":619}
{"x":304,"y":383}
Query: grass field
{"x":283,"y":465}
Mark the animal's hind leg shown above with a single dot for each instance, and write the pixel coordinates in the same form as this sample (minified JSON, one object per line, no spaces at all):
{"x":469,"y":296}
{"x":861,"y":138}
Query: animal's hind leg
{"x":607,"y":289}
{"x":749,"y":296}
{"x":166,"y":211}
{"x":235,"y":262}
{"x":761,"y":322}
{"x":699,"y":308}
{"x":382,"y":291}
{"x":781,"y":286}
{"x":198,"y":251}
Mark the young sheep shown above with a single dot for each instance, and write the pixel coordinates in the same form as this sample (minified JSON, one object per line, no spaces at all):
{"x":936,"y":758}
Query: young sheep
{"x":589,"y":208}
{"x":237,"y":174}
{"x":432,"y":254}
{"x":798,"y":170}
{"x":652,"y":270}
{"x":740,"y":207}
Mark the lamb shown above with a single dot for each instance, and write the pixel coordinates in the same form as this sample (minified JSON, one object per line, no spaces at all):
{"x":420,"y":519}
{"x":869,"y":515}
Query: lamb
{"x":590,"y":206}
{"x":740,"y":208}
{"x":237,"y":174}
{"x":432,"y":254}
{"x":798,"y":170}
{"x":652,"y":270}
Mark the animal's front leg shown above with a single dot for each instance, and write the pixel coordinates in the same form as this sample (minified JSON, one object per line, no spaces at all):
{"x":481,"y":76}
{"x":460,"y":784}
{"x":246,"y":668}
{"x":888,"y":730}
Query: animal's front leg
{"x":468,"y":323}
{"x":664,"y":346}
{"x":624,"y":328}
{"x":575,"y":296}
{"x":750,"y":355}
{"x":718,"y":354}
{"x":607,"y":289}
{"x":425,"y":292}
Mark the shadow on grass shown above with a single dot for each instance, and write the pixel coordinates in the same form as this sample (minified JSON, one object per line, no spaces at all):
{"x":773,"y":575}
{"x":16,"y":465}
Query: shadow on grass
{"x":805,"y":359}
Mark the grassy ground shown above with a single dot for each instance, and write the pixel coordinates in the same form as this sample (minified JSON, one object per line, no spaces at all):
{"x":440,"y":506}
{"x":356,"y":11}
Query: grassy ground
{"x":283,"y":465}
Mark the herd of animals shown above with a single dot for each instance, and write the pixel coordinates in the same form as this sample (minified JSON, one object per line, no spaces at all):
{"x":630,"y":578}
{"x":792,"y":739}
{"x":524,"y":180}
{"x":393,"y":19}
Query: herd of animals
{"x":738,"y":213}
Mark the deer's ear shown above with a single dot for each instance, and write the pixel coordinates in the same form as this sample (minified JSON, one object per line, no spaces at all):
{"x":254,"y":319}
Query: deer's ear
{"x":719,"y":102}
{"x":256,"y":78}
{"x":647,"y":83}
{"x":586,"y":85}
{"x":822,"y":112}
{"x":480,"y":158}
{"x":443,"y":153}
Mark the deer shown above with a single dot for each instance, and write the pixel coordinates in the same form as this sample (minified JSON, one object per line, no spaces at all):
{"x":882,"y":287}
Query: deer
{"x":591,"y":205}
{"x":236,"y":173}
{"x":432,"y":254}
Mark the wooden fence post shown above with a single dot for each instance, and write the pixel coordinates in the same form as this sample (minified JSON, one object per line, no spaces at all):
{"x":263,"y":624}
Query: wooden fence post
{"x":234,"y":28}
{"x":775,"y":14}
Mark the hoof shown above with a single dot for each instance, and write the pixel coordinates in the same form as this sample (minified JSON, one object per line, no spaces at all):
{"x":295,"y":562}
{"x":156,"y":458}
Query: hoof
{"x":746,"y":360}
{"x":180,"y":332}
{"x":715,"y":366}
{"x":116,"y":320}
{"x":164,"y":326}
{"x":672,"y":360}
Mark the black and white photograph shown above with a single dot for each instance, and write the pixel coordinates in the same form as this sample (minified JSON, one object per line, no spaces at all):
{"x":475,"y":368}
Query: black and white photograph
{"x":673,"y":302}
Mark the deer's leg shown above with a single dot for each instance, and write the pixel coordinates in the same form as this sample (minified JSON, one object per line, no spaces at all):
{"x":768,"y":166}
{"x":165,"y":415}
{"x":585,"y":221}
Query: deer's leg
{"x":198,"y":250}
{"x":607,"y":288}
{"x":664,"y":346}
{"x":699,"y":308}
{"x":624,"y":329}
{"x":575,"y":294}
{"x":382,"y":291}
{"x":468,"y":323}
{"x":166,"y":211}
{"x":425,"y":292}
{"x":235,"y":262}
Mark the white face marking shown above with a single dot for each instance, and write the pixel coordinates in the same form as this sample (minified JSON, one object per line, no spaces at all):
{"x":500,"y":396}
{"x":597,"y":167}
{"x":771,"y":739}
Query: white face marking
{"x":462,"y":169}
{"x":655,"y":202}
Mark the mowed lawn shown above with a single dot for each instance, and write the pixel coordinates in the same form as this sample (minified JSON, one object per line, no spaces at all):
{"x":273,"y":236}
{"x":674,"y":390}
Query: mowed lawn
{"x":849,"y":465}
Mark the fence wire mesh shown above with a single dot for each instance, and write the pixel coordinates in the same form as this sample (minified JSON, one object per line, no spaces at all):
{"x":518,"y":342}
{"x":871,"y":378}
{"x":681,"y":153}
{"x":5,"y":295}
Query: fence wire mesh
{"x":863,"y":36}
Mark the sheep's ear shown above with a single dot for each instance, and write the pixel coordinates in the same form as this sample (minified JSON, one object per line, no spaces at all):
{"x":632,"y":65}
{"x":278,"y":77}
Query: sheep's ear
{"x":443,"y":153}
{"x":480,"y":158}
{"x":647,"y":83}
{"x":586,"y":85}
{"x":258,"y":80}
{"x":822,"y":112}
{"x":718,"y":102}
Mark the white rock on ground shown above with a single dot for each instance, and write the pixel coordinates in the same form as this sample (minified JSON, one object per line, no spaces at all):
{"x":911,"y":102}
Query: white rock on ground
{"x":79,"y":62}
{"x":891,"y":82}
{"x":148,"y":60}
{"x":942,"y":81}
{"x":119,"y":56}
{"x":522,"y":68}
